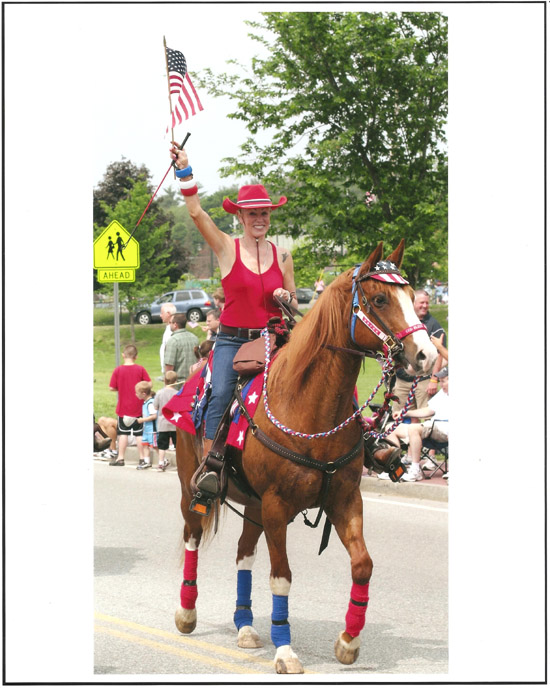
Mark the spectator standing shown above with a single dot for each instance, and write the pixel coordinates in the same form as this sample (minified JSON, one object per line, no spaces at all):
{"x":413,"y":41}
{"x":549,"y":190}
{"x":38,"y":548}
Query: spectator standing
{"x":148,"y":419}
{"x":123,"y":381}
{"x":167,"y":310}
{"x":427,"y":385}
{"x":319,"y":286}
{"x":201,"y":354}
{"x":438,"y":343}
{"x":212,"y":324}
{"x":166,"y":430}
{"x":219,"y":299}
{"x":179,"y":354}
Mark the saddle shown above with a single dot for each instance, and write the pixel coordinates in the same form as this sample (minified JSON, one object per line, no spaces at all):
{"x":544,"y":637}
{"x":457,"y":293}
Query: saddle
{"x":249,"y":362}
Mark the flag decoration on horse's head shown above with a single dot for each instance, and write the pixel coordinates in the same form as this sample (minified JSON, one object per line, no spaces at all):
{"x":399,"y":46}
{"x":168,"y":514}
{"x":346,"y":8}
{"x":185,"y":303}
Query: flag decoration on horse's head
{"x":187,"y":99}
{"x":386,"y":271}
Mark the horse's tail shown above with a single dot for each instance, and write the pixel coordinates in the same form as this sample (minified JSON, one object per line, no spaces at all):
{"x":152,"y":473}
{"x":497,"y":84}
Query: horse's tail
{"x":188,"y":457}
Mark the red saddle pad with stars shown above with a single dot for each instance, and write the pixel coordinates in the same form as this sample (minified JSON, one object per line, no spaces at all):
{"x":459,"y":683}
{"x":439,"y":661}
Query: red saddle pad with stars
{"x":251,"y":394}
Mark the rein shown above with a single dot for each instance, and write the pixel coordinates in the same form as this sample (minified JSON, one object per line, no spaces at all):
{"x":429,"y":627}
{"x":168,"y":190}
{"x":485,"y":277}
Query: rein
{"x":387,"y":272}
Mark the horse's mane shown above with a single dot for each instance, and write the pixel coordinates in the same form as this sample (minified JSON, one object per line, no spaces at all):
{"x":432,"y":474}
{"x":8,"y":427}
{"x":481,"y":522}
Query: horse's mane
{"x":324,"y":324}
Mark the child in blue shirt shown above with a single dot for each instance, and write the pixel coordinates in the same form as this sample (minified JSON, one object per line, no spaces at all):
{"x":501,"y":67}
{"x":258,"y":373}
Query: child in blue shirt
{"x":144,"y":391}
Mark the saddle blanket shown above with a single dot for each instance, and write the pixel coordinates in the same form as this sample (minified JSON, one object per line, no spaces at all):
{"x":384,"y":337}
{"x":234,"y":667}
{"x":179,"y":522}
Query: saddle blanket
{"x":251,"y":394}
{"x":185,"y":409}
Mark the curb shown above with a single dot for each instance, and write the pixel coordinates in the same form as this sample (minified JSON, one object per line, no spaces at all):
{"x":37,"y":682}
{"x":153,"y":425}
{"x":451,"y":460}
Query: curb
{"x":425,"y":489}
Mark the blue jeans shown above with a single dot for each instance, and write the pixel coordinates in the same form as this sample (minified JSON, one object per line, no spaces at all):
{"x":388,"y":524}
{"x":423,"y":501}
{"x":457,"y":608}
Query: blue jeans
{"x":224,"y":379}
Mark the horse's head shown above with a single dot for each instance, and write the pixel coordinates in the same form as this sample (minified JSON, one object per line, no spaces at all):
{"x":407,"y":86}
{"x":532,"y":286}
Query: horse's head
{"x":383,"y":316}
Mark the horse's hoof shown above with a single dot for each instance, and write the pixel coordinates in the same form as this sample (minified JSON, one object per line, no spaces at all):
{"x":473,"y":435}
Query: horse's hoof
{"x":186,"y":620}
{"x":248,"y":638}
{"x":286,"y":662}
{"x":346,"y":652}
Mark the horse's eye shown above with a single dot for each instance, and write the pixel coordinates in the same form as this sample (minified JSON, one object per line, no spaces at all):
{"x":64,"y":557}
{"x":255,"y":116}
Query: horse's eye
{"x":379,"y":300}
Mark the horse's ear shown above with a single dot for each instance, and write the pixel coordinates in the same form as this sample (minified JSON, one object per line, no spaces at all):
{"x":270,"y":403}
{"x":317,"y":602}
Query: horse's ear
{"x":371,"y":261}
{"x":397,"y":256}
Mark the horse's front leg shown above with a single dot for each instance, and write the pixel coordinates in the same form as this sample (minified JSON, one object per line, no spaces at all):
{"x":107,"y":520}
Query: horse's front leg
{"x":246,"y":554}
{"x":186,"y":613}
{"x":187,"y":449}
{"x":349,"y":526}
{"x":275,"y":516}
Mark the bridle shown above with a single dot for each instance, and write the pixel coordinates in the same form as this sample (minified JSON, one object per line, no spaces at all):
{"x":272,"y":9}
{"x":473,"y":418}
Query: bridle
{"x":392,"y":343}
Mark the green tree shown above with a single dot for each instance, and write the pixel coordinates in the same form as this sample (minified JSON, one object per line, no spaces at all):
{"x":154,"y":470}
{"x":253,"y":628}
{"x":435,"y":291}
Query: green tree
{"x":117,"y":182}
{"x":351,"y":103}
{"x":156,"y":249}
{"x":120,"y":183}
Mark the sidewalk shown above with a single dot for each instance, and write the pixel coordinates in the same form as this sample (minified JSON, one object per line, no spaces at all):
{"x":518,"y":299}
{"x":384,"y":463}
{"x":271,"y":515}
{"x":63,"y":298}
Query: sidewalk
{"x":436,"y":489}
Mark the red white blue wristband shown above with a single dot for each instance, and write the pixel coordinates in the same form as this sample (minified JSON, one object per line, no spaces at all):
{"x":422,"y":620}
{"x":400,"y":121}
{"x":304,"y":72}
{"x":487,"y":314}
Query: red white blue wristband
{"x":185,"y":172}
{"x":190,"y":192}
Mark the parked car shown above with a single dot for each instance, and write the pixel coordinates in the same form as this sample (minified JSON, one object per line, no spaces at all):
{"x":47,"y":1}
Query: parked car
{"x":195,"y":303}
{"x":304,"y":295}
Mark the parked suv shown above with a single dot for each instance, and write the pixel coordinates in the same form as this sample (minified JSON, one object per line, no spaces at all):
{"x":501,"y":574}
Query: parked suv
{"x":305,"y":295}
{"x":195,"y":303}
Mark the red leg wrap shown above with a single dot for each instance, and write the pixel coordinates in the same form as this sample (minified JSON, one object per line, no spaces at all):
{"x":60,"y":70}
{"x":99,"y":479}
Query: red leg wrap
{"x":357,"y":608}
{"x":189,"y":593}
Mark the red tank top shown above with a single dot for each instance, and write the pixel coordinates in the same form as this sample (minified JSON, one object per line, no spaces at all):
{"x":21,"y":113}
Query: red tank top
{"x":248,"y":296}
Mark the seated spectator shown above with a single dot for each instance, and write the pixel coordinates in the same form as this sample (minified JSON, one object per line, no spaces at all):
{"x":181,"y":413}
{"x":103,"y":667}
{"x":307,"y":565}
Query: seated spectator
{"x":105,"y":438}
{"x":437,"y":428}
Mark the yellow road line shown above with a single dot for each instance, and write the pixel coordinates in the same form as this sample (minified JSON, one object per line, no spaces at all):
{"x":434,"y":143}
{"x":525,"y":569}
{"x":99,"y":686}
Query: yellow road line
{"x":185,"y":640}
{"x":180,"y":652}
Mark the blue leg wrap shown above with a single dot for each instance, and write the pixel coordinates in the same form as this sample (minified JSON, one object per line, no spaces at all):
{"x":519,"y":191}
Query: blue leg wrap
{"x":243,"y":612}
{"x":280,"y":628}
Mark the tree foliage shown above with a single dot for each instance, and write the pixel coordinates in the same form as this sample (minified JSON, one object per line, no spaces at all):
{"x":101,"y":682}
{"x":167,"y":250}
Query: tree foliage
{"x":349,"y":103}
{"x":117,"y":182}
{"x":152,"y":277}
{"x":123,"y":195}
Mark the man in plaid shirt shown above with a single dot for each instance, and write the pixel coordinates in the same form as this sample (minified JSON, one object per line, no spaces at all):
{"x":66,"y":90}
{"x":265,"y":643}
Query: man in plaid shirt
{"x":179,"y":353}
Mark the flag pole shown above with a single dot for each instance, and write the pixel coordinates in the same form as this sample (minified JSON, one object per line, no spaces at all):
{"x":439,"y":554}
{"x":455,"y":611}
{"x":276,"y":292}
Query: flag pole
{"x":169,"y":94}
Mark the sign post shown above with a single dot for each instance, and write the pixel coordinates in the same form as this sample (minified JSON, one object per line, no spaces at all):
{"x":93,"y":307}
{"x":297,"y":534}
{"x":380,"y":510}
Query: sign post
{"x":117,"y":324}
{"x":116,"y":258}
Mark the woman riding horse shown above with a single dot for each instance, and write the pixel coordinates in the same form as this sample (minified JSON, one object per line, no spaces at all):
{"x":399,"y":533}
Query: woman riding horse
{"x":253,"y":271}
{"x":306,"y":447}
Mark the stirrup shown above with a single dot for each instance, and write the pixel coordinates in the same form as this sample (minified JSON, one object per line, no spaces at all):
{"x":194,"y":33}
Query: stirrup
{"x":209,"y":483}
{"x":208,"y":491}
{"x":201,"y":504}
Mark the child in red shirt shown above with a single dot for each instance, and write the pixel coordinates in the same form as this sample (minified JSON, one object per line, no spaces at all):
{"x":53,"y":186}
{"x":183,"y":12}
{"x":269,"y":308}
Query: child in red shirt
{"x":124,"y":380}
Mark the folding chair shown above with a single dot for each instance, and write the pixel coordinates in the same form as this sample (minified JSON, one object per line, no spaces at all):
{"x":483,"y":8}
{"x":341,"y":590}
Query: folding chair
{"x":441,"y":448}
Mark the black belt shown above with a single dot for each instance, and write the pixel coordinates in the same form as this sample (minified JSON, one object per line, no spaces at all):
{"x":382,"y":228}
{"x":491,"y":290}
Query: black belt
{"x":242,"y":332}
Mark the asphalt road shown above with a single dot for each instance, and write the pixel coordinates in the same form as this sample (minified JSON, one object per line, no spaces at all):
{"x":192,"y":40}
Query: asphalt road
{"x":138,"y":537}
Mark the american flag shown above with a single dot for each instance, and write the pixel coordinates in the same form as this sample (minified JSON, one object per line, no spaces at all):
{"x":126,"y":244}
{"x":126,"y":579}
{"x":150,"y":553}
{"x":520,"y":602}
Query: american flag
{"x":187,"y":99}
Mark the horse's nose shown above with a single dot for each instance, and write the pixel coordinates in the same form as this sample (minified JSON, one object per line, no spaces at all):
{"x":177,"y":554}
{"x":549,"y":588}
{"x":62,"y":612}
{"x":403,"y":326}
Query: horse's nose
{"x":425,"y":358}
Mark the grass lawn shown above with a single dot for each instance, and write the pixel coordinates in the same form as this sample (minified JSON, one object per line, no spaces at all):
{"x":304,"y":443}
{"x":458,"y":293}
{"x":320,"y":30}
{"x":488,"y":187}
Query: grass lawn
{"x":148,"y":339}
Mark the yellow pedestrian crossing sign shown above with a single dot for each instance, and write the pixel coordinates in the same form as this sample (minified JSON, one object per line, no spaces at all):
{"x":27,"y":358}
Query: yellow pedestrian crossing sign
{"x":116,"y":255}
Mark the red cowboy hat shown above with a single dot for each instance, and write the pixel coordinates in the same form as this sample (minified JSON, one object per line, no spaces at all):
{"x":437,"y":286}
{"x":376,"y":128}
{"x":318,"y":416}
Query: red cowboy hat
{"x":251,"y":196}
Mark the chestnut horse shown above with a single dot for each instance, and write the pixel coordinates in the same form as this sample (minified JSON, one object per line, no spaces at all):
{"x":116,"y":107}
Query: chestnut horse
{"x":310,"y":388}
